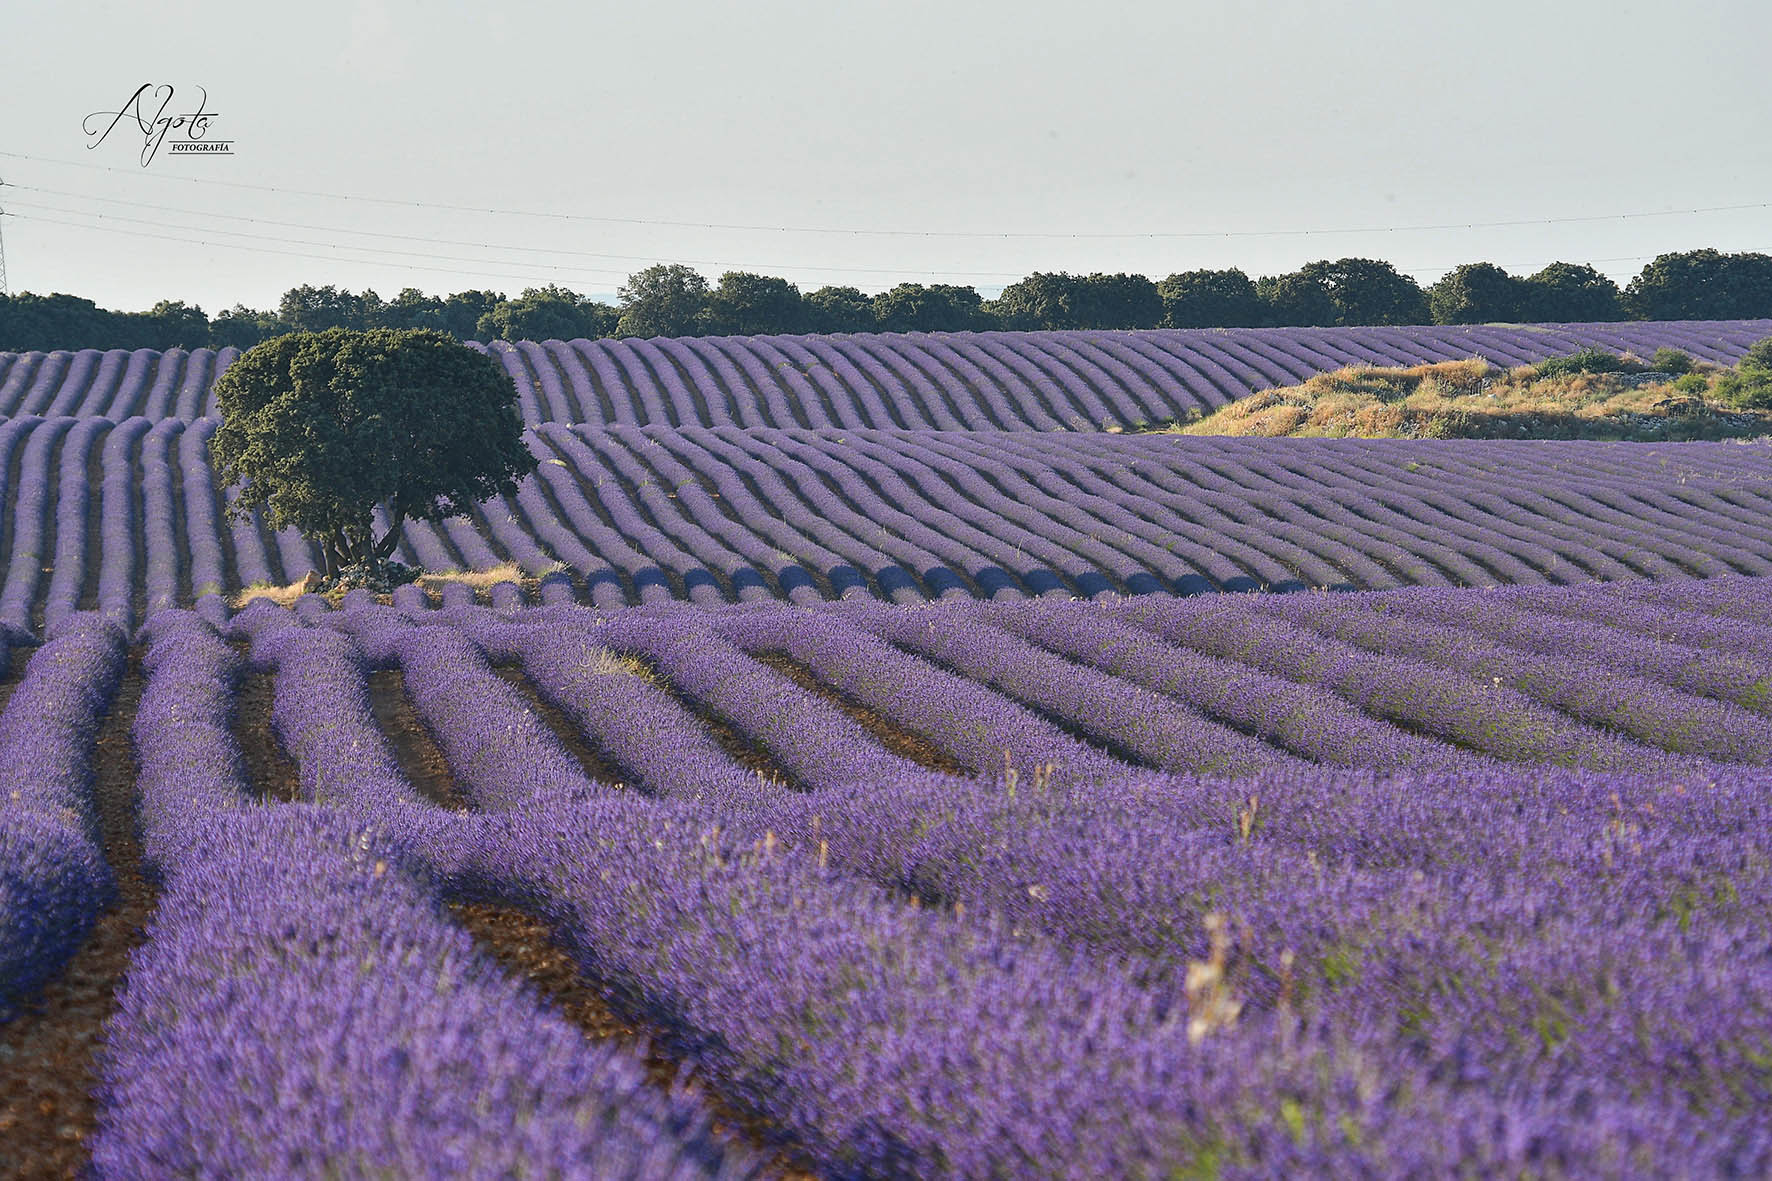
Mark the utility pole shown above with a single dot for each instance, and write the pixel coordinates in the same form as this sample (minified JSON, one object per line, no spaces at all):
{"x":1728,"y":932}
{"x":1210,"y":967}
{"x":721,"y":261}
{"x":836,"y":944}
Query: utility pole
{"x":4,"y":289}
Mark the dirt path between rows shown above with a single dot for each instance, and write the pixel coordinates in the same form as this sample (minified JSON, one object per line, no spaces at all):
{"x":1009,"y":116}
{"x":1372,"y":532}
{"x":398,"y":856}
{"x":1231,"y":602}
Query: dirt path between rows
{"x":49,"y":1054}
{"x":906,"y":744}
{"x":269,"y":768}
{"x":522,"y":943}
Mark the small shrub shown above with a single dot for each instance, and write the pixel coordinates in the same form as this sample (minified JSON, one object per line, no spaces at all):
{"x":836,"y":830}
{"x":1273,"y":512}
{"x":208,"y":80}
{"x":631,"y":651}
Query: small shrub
{"x":1691,"y":383}
{"x":1747,"y":389}
{"x":1583,"y":361}
{"x":1668,"y":360}
{"x":1758,"y":357}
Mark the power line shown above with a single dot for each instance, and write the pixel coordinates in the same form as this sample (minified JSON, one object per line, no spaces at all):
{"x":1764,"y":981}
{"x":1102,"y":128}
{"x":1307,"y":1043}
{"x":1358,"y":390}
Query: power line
{"x":863,"y":232}
{"x":641,"y":258}
{"x":474,"y":268}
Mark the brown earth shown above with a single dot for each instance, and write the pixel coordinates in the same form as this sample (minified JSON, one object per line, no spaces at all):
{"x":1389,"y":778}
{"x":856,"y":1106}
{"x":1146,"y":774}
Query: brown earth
{"x":907,"y":744}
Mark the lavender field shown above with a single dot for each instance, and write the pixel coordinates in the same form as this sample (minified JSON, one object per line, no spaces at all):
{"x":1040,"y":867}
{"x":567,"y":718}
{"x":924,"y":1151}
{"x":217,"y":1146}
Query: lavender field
{"x":886,"y":771}
{"x":1407,"y":883}
{"x":126,"y":518}
{"x":981,"y":381}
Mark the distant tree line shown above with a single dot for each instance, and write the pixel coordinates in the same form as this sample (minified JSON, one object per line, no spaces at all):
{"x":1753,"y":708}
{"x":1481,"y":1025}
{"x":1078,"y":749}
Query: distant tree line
{"x":675,"y":300}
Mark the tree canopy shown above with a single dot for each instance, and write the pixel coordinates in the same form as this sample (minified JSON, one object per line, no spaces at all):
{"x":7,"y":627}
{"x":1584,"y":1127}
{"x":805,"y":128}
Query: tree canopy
{"x":664,"y":301}
{"x":676,"y":300}
{"x":322,"y":429}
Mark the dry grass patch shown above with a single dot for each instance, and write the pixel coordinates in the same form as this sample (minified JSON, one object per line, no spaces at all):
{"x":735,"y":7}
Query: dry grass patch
{"x":1473,"y":399}
{"x":476,"y":580}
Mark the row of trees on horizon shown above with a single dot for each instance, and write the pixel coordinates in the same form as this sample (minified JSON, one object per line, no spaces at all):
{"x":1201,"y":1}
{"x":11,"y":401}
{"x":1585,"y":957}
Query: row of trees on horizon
{"x":675,"y":300}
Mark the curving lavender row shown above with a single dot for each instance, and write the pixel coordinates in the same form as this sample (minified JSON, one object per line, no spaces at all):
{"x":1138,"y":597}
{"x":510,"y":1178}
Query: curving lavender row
{"x":125,"y":518}
{"x":54,"y":879}
{"x":989,"y":381}
{"x":375,"y":1038}
{"x":1451,"y":967}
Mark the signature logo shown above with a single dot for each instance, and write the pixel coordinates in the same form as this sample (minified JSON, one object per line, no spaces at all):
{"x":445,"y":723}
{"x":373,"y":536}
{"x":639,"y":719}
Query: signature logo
{"x":148,"y":112}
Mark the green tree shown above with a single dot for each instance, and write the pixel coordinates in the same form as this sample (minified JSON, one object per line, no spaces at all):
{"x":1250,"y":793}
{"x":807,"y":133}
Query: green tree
{"x":461,"y":312}
{"x":839,"y":309}
{"x":663,"y":300}
{"x":321,"y":429}
{"x":242,"y":327}
{"x":412,"y":308}
{"x":1571,"y":293}
{"x":941,"y":307}
{"x":1477,"y":293}
{"x":1044,"y":301}
{"x":745,"y":304}
{"x":1211,"y":299}
{"x":1119,"y":301}
{"x":1702,"y":285}
{"x":1368,"y":291}
{"x":1294,"y":301}
{"x":547,"y":313}
{"x":315,"y":309}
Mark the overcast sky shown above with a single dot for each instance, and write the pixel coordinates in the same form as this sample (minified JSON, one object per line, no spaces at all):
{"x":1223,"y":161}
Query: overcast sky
{"x":946,"y":142}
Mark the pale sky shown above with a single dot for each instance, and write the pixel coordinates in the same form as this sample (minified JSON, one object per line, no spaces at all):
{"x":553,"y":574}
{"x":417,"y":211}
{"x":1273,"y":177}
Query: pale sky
{"x":958,"y":142}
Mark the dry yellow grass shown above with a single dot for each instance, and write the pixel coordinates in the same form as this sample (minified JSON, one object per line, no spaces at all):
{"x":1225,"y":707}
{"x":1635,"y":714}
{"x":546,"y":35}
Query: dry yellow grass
{"x":431,"y":582}
{"x":478,"y":580}
{"x":282,"y":596}
{"x":1473,"y":399}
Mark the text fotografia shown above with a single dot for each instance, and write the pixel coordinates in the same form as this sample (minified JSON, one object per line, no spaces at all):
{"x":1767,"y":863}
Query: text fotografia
{"x":151,"y":114}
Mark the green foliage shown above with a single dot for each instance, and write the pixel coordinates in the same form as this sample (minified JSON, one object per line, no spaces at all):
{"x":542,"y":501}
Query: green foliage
{"x":664,"y":300}
{"x":745,"y":304}
{"x":1691,"y":383}
{"x":1703,"y":285}
{"x":940,"y":307}
{"x":1570,"y":293}
{"x":1584,"y":361}
{"x":1294,"y":301}
{"x":320,"y":429}
{"x":1477,"y":293}
{"x":1749,"y":385}
{"x":1061,"y":301}
{"x":1211,"y":299}
{"x":315,"y":309}
{"x":1345,"y":291}
{"x":1673,"y":361}
{"x":840,"y":309}
{"x":1758,"y":356}
{"x":547,"y":313}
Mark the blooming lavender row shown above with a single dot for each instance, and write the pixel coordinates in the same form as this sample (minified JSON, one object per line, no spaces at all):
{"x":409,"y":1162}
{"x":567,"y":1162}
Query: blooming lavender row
{"x":1133,"y":722}
{"x":966,"y":721}
{"x":54,"y":879}
{"x":501,"y":754}
{"x":1631,"y":644}
{"x":728,"y":515}
{"x":812,"y":740}
{"x":1491,"y":718}
{"x":423,"y":1056}
{"x":941,"y":1065}
{"x":1013,"y":380}
{"x":1431,"y":920}
{"x":639,"y":725}
{"x":1585,"y":689}
{"x":939,"y":381}
{"x":1300,"y":718}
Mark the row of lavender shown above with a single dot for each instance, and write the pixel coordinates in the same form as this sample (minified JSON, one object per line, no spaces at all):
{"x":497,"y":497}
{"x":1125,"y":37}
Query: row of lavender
{"x":126,"y":517}
{"x":1458,"y":967}
{"x":1046,"y":381}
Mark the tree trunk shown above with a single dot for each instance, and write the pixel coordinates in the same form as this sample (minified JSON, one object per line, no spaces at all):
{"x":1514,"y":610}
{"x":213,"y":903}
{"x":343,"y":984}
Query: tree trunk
{"x":391,"y":539}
